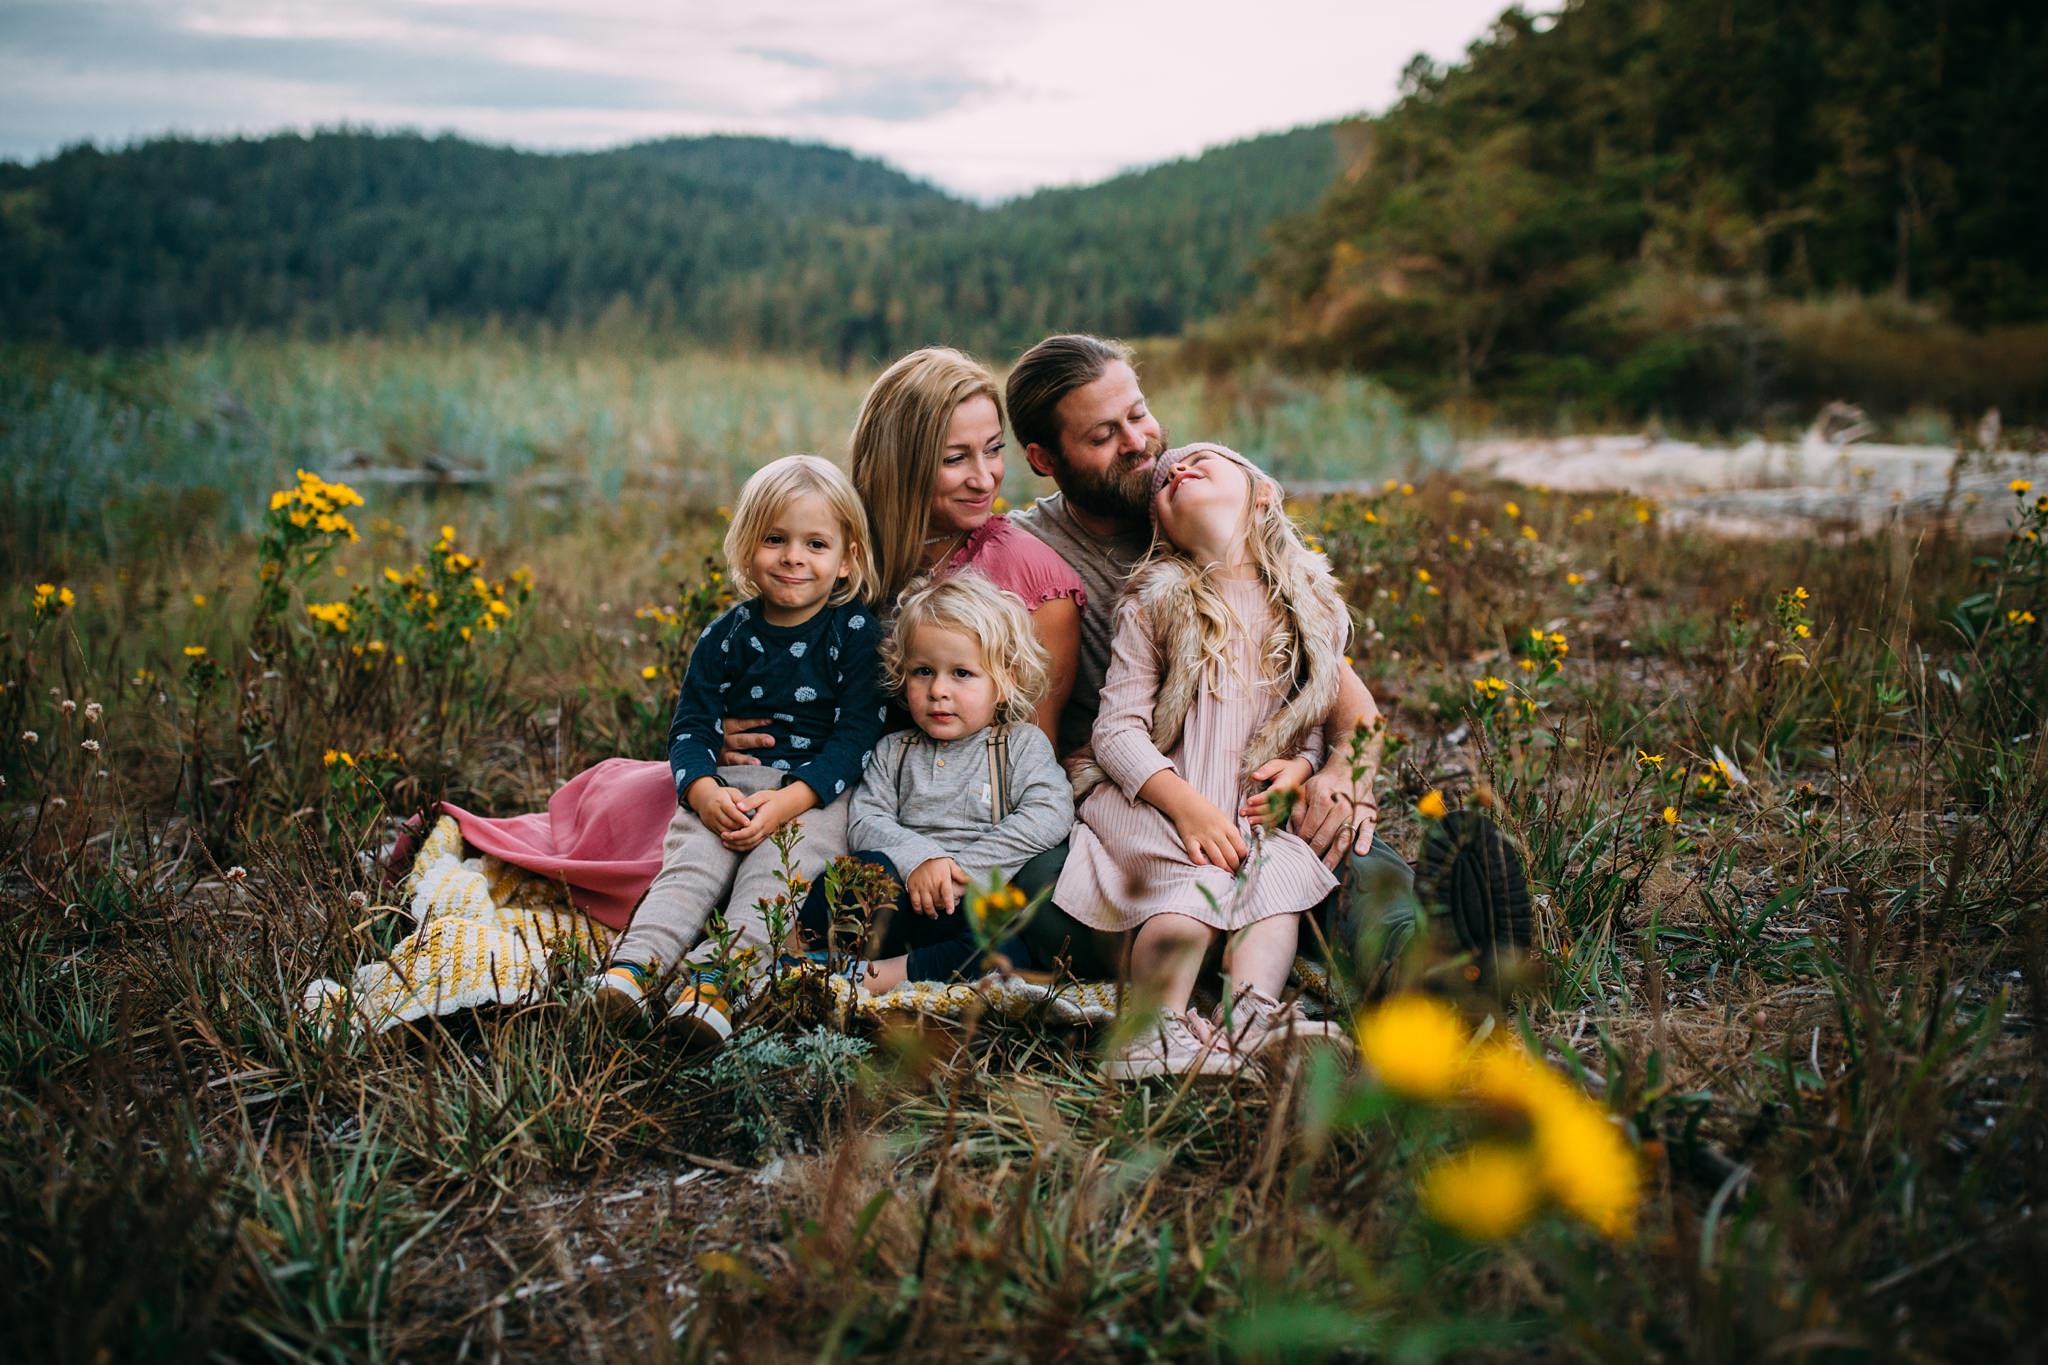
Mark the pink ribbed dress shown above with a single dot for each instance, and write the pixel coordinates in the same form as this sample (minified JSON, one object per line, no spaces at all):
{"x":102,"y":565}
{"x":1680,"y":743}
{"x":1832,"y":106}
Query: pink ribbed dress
{"x":1125,"y":862}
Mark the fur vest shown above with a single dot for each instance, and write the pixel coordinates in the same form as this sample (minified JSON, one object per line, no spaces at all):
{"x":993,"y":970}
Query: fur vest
{"x":1309,"y":606}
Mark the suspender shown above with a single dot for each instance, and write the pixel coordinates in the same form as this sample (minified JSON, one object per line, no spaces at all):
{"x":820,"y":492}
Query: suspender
{"x":998,"y":746}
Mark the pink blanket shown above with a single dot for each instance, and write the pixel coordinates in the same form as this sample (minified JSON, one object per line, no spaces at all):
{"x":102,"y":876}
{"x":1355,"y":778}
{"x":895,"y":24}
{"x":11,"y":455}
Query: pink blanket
{"x":601,"y":834}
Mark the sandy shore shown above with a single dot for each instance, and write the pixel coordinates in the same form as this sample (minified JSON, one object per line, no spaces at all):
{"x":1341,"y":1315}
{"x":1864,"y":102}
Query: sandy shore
{"x":1762,"y":488}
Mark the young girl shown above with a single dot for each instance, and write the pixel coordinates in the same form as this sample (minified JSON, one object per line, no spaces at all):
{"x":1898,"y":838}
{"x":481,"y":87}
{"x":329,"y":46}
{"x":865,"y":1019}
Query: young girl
{"x":802,"y":651}
{"x":972,"y":791}
{"x":1223,"y":668}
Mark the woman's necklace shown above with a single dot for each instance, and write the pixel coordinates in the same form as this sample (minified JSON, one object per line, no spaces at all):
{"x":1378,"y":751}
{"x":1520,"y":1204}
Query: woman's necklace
{"x":949,"y":545}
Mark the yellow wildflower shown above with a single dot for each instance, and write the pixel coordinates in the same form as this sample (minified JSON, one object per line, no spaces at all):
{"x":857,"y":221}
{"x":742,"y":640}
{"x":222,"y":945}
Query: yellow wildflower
{"x":1513,"y":509}
{"x":1415,"y":1045}
{"x":2021,"y":486}
{"x":1800,"y":594}
{"x":1407,"y":490}
{"x":1432,"y":806}
{"x":650,"y":672}
{"x":195,"y":651}
{"x":2020,"y":618}
{"x":1671,"y":815}
{"x":1422,"y":575}
{"x":198,"y":599}
{"x":1485,"y":1193}
{"x":1573,"y":579}
{"x":1649,"y":760}
{"x":1588,"y":1166}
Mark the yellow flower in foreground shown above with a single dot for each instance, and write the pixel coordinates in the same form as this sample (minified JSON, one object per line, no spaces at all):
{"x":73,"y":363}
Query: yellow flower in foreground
{"x":1671,"y":815}
{"x":1422,"y":575}
{"x":1415,"y":1046}
{"x":2021,"y":486}
{"x":1588,"y":1167}
{"x":1513,"y":509}
{"x":198,"y":599}
{"x":195,"y":651}
{"x":1649,"y":760}
{"x":1800,"y":594}
{"x":650,"y":672}
{"x":1803,"y":631}
{"x":1486,"y":1193}
{"x":1433,"y":806}
{"x":1574,"y":579}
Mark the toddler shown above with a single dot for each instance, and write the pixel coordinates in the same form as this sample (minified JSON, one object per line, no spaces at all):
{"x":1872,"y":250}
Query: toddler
{"x":802,"y":648}
{"x":969,"y":795}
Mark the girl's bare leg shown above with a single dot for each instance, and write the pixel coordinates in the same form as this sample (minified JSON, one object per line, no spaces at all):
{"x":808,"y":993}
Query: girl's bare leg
{"x":1166,"y":957}
{"x":1262,"y":954}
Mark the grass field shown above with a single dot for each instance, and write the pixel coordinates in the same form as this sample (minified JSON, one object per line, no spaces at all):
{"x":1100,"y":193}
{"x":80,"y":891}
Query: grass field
{"x":1782,"y":804}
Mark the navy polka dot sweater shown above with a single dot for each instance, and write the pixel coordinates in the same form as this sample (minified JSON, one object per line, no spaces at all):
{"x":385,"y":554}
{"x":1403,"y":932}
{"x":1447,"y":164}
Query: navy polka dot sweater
{"x":818,"y":685}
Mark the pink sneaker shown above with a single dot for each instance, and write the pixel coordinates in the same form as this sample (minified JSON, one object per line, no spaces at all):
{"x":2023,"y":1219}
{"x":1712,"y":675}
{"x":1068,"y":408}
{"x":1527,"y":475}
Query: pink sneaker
{"x":1256,"y":1023}
{"x":1177,"y":1045}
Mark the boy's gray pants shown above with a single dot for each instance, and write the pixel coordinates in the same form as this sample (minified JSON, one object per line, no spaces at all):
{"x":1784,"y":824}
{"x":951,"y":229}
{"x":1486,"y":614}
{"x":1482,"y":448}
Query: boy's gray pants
{"x":699,"y":874}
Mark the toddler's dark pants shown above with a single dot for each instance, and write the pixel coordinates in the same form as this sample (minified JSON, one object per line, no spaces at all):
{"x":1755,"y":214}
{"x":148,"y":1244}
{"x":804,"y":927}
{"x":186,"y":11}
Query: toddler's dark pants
{"x":939,"y":949}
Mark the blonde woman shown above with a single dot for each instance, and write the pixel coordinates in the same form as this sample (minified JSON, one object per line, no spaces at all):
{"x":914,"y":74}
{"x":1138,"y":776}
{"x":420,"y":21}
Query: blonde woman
{"x":971,"y":793}
{"x":1224,"y":668}
{"x":927,"y":457}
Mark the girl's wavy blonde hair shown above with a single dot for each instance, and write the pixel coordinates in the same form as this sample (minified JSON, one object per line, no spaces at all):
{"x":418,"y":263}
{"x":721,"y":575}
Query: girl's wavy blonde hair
{"x":971,"y":605}
{"x":897,"y":444}
{"x":1289,"y":571}
{"x":763,"y":499}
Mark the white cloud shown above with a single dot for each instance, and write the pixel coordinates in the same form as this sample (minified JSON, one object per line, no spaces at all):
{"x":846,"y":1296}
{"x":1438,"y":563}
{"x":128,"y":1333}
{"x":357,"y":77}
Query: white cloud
{"x":985,"y":99}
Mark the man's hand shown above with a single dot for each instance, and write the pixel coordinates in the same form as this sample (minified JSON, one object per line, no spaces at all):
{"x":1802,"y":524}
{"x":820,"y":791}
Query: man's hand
{"x":716,"y":805}
{"x":936,"y":884}
{"x":1333,"y":816}
{"x":1283,"y":778}
{"x":740,"y":736}
{"x":767,"y":812}
{"x":1210,"y":837}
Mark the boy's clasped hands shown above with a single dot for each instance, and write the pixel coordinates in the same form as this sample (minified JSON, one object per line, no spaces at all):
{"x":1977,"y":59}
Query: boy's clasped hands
{"x":741,"y":821}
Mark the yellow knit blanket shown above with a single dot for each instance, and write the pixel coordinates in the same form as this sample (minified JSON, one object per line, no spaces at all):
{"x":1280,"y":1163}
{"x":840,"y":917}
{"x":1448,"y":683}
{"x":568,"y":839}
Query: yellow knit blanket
{"x":488,"y":933}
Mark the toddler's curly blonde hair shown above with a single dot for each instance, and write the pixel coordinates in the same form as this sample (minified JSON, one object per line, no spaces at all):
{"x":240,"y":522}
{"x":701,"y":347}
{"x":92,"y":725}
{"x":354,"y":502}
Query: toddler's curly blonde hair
{"x":968,"y":603}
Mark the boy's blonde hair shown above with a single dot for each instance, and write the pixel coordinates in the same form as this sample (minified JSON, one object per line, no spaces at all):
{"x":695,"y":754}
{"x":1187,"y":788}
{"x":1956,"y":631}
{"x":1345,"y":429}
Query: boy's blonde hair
{"x":968,"y":603}
{"x":898,"y":440}
{"x":763,"y":499}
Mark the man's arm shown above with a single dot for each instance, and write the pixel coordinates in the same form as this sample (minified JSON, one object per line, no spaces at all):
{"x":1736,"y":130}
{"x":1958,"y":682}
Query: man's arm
{"x":1338,"y":811}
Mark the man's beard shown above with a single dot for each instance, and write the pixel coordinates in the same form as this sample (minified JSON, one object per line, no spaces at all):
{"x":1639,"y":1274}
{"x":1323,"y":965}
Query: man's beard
{"x":1123,"y":492}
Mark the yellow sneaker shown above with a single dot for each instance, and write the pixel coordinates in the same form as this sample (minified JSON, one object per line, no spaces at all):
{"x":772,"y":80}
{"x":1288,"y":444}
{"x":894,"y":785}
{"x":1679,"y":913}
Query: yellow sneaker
{"x":702,"y":1012}
{"x":621,"y":990}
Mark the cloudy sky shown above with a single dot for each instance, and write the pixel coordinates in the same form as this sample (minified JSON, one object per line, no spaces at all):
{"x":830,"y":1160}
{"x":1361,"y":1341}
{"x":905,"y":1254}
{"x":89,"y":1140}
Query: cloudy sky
{"x":986,"y":99}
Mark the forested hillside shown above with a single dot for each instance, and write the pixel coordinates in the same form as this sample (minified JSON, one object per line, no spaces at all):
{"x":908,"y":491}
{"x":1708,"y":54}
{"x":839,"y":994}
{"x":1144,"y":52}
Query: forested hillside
{"x":748,"y":241}
{"x":1698,"y":206}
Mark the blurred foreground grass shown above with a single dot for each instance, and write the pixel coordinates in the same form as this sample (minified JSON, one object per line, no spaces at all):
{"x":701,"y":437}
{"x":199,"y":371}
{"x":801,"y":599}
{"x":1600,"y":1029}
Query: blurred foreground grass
{"x":1782,"y":803}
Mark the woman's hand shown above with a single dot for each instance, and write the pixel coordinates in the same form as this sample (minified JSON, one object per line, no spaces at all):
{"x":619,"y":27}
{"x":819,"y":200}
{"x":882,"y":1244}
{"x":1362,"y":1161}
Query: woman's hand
{"x":1281,"y":794}
{"x":767,"y":812}
{"x":740,"y":736}
{"x":1211,"y":838}
{"x":937,"y":882}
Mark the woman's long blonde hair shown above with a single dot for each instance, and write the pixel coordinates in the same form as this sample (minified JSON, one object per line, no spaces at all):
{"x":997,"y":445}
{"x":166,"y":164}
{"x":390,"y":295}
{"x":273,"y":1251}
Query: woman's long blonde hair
{"x":1297,"y":581}
{"x":898,"y":440}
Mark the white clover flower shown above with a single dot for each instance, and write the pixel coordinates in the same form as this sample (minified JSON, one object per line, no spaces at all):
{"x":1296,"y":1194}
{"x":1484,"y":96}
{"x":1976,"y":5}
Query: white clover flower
{"x":93,"y":711}
{"x":237,"y":873}
{"x":358,"y":899}
{"x":29,"y":737}
{"x":67,"y":706}
{"x":91,"y":746}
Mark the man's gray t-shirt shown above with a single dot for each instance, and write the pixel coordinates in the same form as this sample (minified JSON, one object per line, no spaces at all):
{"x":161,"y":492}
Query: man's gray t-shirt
{"x":1104,"y":565}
